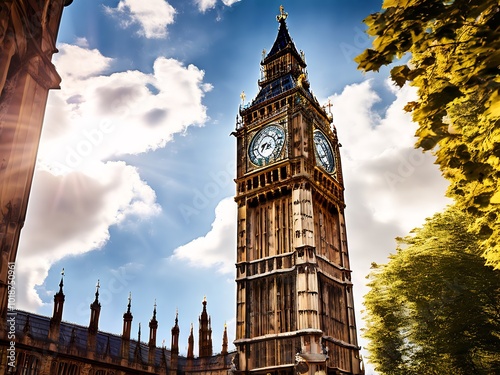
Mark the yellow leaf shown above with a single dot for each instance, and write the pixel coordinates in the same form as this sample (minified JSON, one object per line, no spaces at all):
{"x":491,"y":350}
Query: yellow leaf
{"x":495,"y":199}
{"x":494,"y":109}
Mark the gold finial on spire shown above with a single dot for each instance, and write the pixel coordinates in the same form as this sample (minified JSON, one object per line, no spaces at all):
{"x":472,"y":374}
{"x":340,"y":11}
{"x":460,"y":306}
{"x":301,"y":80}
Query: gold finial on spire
{"x":243,"y":97}
{"x":283,"y":15}
{"x":329,"y":105}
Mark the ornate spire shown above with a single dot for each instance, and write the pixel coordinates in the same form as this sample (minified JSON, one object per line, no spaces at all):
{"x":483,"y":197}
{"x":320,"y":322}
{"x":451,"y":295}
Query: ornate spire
{"x":175,"y":335}
{"x":175,"y":341}
{"x":98,"y":285}
{"x":61,"y":284}
{"x":95,"y":310}
{"x":205,"y":332}
{"x":283,"y":41}
{"x":58,"y":308}
{"x":190,"y":352}
{"x":127,"y":323}
{"x":224,"y":340}
{"x":153,"y":326}
{"x":138,"y":350}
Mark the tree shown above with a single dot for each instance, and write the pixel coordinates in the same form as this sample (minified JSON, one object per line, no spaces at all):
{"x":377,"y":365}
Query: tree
{"x":434,"y":308}
{"x":455,"y":61}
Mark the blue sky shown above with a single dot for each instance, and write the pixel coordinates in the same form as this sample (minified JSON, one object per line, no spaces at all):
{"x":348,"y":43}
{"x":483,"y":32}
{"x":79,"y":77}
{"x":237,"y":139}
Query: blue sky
{"x":134,"y":177}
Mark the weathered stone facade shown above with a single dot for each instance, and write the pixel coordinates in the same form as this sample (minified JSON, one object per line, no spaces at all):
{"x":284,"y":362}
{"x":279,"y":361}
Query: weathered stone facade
{"x":28,"y":32}
{"x":295,"y":310}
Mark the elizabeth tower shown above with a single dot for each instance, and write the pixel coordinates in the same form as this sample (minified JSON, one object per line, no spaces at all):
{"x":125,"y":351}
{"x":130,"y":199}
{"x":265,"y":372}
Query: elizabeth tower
{"x":295,"y":309}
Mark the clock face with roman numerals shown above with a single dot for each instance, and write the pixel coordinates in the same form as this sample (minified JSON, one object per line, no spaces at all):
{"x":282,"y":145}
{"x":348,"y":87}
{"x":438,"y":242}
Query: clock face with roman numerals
{"x":266,"y":145}
{"x":323,"y":151}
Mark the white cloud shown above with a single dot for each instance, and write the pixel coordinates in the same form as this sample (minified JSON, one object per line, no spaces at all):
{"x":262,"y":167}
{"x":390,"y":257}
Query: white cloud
{"x":217,"y":247}
{"x":71,"y":214}
{"x":153,"y":16}
{"x":82,"y":42}
{"x":99,"y":116}
{"x":77,"y":192}
{"x":390,"y":186}
{"x":230,"y":2}
{"x":399,"y":184}
{"x":204,"y":5}
{"x":68,"y":57}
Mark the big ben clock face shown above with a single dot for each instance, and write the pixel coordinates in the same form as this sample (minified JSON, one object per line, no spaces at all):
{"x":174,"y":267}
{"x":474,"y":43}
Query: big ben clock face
{"x":266,"y":145}
{"x":323,"y":151}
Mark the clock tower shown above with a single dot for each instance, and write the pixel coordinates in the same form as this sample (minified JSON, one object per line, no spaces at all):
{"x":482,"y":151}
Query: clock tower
{"x":295,"y":309}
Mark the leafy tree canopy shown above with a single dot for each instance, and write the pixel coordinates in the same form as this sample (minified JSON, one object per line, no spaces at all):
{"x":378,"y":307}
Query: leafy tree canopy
{"x":435,"y":307}
{"x":455,"y":62}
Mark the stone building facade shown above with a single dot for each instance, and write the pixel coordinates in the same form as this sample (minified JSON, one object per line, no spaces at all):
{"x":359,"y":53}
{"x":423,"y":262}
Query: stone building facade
{"x":295,"y":308}
{"x":49,"y":346}
{"x":28,"y":32}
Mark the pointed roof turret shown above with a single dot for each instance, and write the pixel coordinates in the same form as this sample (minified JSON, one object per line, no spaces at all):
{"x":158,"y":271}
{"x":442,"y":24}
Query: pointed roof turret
{"x":129,"y":302}
{"x":61,"y":284}
{"x":153,"y":326}
{"x":283,"y":70}
{"x":58,"y":303}
{"x":95,"y":310}
{"x":190,"y":351}
{"x":175,"y":341}
{"x":138,"y":350}
{"x":205,"y":339}
{"x":224,"y":340}
{"x":127,"y":317}
{"x":96,"y":301}
{"x":127,"y":327}
{"x":175,"y":334}
{"x":283,"y":41}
